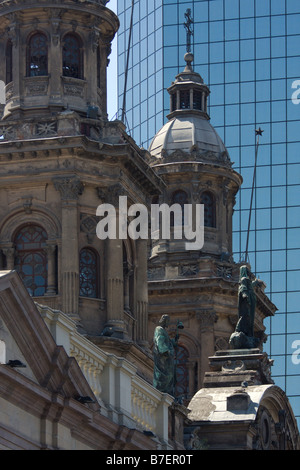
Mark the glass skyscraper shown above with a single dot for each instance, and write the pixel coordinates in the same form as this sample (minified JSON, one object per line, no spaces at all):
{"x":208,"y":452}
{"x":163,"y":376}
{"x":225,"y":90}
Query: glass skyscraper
{"x":248,"y":53}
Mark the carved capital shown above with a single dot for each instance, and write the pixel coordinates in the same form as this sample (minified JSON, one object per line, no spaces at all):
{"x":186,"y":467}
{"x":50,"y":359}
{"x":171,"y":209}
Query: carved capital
{"x":14,"y":29}
{"x":9,"y":252}
{"x":207,"y":318}
{"x":70,"y":187}
{"x":94,"y":39}
{"x":50,"y":249}
{"x":111,"y":194}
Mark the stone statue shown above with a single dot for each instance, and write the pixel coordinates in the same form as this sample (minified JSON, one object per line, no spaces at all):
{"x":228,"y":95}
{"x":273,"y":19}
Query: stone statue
{"x":164,"y":357}
{"x":243,"y":337}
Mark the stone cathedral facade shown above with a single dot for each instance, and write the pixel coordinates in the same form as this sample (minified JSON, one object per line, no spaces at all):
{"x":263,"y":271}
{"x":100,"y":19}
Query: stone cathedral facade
{"x":60,"y":158}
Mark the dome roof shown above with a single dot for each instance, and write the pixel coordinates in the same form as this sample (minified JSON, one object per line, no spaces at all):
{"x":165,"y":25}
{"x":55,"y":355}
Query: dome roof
{"x":186,"y":133}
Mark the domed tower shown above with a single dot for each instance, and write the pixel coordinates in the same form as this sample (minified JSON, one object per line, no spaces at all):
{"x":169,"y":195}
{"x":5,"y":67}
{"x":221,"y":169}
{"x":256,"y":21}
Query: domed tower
{"x":60,"y":158}
{"x":197,"y":287}
{"x":192,"y":159}
{"x":55,"y":58}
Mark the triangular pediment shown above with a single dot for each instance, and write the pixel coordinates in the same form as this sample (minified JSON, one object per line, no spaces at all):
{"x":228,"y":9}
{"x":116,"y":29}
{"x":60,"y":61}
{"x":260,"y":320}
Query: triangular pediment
{"x":28,"y":339}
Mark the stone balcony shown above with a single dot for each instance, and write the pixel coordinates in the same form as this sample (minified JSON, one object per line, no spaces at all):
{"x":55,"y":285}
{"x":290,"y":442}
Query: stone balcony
{"x":124,"y":397}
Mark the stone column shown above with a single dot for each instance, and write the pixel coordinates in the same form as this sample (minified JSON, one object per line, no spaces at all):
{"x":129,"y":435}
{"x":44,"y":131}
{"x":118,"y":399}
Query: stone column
{"x":191,"y":378}
{"x":55,"y":60}
{"x":206,"y":318}
{"x":141,"y":294}
{"x":115,"y":325}
{"x":70,"y":189}
{"x":230,"y":211}
{"x":14,"y":35}
{"x":51,"y":250}
{"x":223,"y":214}
{"x":191,"y":98}
{"x":91,"y":73}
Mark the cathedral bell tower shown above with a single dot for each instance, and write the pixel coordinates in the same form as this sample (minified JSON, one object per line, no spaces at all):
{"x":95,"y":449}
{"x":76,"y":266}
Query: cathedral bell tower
{"x":60,"y":159}
{"x":55,"y":56}
{"x":192,"y":159}
{"x":197,"y":287}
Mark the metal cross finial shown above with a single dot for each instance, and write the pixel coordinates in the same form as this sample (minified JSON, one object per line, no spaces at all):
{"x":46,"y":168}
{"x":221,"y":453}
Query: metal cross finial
{"x":189,"y":30}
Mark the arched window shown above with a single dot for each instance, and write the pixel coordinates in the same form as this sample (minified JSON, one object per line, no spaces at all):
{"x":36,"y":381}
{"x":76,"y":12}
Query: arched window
{"x":37,"y":55}
{"x":31,"y":258}
{"x":9,"y":67}
{"x":197,"y":100}
{"x":182,"y":373}
{"x":72,"y":56}
{"x":88,"y":273}
{"x":185,"y":99}
{"x":208,"y":199}
{"x":179,"y":197}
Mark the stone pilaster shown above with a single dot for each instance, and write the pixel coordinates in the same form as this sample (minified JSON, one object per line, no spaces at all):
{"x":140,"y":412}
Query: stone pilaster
{"x":55,"y":60}
{"x":115,"y":325}
{"x":141,"y":293}
{"x":70,"y":189}
{"x":51,"y":250}
{"x":92,"y":65}
{"x":206,"y":318}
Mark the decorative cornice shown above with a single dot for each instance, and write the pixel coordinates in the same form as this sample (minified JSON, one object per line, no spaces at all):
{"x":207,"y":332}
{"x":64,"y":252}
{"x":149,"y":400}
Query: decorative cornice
{"x":196,"y":155}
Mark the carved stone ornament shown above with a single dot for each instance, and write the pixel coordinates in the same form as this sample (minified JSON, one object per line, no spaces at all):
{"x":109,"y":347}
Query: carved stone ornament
{"x":46,"y":128}
{"x":221,"y":344}
{"x":189,"y":270}
{"x":73,"y":90}
{"x":27,"y":204}
{"x":94,"y":39}
{"x":111,"y":195}
{"x":88,"y":223}
{"x":156,"y":273}
{"x":36,"y":86}
{"x":55,"y":26}
{"x":233,"y":366}
{"x":69,"y":187}
{"x":224,"y":271}
{"x":7,"y":132}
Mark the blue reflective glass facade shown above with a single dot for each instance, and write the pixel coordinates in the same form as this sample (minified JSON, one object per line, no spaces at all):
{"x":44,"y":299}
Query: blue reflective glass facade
{"x":248,"y":53}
